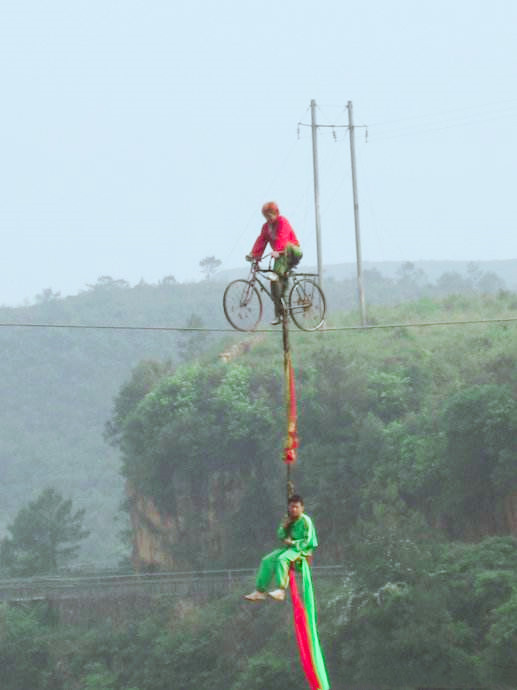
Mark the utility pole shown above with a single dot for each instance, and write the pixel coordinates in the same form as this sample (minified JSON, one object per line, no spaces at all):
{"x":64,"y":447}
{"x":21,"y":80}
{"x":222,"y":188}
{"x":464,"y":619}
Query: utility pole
{"x":360,"y":288}
{"x":314,"y":128}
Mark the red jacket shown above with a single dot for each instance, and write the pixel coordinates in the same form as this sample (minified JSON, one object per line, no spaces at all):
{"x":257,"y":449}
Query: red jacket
{"x":281,"y":235}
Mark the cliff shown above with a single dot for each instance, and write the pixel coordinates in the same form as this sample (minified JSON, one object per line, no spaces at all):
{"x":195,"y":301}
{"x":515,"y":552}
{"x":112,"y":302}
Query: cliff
{"x":194,"y":538}
{"x":162,"y":542}
{"x":510,"y":513}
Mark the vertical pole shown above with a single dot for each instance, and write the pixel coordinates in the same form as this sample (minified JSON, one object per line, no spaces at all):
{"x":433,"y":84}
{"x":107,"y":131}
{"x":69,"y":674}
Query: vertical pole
{"x":289,"y":484}
{"x":289,"y":488}
{"x":314,"y":129}
{"x":356,"y":218}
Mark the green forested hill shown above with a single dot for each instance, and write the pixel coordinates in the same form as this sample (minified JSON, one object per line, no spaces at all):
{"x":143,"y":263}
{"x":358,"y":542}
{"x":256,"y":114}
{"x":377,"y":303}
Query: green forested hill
{"x":411,"y":427}
{"x":57,"y":386}
{"x":407,"y":461}
{"x":449,"y":624}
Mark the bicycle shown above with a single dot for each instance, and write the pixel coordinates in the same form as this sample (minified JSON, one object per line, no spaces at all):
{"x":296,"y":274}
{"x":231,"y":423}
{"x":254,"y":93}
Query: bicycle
{"x":306,"y":304}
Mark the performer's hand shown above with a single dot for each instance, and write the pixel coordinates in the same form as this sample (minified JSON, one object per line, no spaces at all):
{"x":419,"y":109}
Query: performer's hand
{"x":275,"y":254}
{"x":288,"y":541}
{"x":249,"y":257}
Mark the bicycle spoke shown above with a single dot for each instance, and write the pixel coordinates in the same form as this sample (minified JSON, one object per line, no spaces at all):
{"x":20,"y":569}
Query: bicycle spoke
{"x":242,"y":305}
{"x":307,"y":304}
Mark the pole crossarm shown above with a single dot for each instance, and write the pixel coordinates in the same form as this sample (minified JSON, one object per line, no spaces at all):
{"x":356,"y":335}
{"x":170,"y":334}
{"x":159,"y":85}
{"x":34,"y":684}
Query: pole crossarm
{"x":351,"y":127}
{"x":303,"y":124}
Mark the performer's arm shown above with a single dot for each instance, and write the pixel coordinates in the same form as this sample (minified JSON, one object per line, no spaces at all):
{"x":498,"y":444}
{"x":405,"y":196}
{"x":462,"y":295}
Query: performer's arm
{"x":283,"y":532}
{"x":260,"y":243}
{"x":309,"y":540}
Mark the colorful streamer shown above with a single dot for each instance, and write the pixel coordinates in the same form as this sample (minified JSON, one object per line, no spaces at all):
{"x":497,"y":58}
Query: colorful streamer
{"x":304,"y":609}
{"x":305,"y":624}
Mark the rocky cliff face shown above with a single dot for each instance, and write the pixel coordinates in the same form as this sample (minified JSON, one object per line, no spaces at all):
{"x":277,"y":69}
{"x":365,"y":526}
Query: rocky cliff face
{"x":166,"y":542}
{"x":510,"y":513}
{"x":162,"y":542}
{"x":153,"y":534}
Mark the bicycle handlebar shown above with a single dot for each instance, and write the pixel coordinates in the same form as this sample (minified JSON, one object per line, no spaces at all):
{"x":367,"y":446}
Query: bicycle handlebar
{"x":253,"y":260}
{"x":256,"y":267}
{"x":256,"y":262}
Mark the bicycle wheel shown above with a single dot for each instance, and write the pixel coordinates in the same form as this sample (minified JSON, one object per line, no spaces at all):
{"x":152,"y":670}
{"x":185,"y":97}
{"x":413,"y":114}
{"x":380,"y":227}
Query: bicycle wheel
{"x":307,"y":304}
{"x":242,"y":305}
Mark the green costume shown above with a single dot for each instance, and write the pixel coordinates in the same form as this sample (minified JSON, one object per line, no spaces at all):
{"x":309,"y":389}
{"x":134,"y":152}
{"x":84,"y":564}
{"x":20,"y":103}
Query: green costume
{"x":277,"y":563}
{"x":288,"y":259}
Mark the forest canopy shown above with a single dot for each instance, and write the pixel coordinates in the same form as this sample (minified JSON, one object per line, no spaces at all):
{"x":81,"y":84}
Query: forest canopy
{"x":411,"y":420}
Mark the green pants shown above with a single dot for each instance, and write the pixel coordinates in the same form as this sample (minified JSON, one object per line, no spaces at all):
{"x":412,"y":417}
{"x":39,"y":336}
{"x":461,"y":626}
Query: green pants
{"x":276,"y":563}
{"x":283,"y":264}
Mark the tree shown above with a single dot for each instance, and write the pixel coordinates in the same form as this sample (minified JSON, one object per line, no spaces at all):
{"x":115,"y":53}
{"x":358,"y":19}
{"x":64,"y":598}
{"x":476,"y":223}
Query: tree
{"x":192,"y":344}
{"x":107,"y":282}
{"x":483,"y":281}
{"x":500,"y":654}
{"x":44,"y":535}
{"x":411,"y":277}
{"x":25,"y":650}
{"x":480,"y":424}
{"x":144,"y":377}
{"x":168,"y":280}
{"x":209,"y":266}
{"x":452,"y":283}
{"x":47,"y":295}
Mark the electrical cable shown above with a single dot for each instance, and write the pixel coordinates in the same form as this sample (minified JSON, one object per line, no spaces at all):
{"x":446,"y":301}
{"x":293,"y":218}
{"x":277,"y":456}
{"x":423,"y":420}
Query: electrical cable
{"x":421,"y":324}
{"x":329,"y":329}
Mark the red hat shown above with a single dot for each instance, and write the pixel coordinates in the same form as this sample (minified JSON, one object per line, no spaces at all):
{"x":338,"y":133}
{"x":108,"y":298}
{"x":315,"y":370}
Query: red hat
{"x":270,"y":206}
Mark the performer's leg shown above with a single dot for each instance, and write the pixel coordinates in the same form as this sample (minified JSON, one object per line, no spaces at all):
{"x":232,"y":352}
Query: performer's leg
{"x":294,"y":255}
{"x":283,"y":563}
{"x":267,"y":569}
{"x":276,"y":293}
{"x":278,"y":286}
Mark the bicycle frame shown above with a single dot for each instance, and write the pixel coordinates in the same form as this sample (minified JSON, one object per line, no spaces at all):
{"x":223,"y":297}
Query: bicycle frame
{"x":302,"y":298}
{"x":292,"y":276}
{"x":253,"y":278}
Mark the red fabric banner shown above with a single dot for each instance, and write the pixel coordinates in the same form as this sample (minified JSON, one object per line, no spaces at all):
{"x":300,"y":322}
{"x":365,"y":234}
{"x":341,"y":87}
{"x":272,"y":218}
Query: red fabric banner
{"x":302,"y":634}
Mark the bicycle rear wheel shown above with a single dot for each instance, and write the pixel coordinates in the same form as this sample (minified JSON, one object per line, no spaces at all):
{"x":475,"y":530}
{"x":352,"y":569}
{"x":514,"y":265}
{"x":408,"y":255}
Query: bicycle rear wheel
{"x":307,"y":305}
{"x":242,"y":305}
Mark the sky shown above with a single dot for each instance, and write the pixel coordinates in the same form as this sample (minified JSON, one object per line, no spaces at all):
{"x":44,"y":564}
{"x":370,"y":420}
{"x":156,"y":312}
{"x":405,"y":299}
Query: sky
{"x":137,"y":138}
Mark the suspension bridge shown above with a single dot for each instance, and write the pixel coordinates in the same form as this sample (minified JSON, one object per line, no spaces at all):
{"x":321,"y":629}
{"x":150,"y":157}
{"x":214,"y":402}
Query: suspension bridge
{"x":204,"y":584}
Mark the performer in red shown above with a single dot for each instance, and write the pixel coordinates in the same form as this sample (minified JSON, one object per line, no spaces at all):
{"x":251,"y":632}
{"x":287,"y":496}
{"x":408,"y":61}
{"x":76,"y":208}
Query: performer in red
{"x":285,"y":249}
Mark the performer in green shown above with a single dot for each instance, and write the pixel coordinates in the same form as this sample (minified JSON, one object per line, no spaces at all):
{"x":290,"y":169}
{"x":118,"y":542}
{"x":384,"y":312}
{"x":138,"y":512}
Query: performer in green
{"x":297,"y":532}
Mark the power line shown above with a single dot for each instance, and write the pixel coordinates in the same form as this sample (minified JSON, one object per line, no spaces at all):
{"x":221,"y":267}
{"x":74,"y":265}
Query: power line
{"x":113,"y":327}
{"x":327,"y":329}
{"x":421,"y":324}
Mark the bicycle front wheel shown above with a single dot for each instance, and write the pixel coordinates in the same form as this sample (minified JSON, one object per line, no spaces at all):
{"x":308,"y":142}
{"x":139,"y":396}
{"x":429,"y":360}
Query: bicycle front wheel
{"x":307,"y":304}
{"x":242,"y":305}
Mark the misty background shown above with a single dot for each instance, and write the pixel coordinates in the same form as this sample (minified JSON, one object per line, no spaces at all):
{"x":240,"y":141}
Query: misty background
{"x":138,"y":138}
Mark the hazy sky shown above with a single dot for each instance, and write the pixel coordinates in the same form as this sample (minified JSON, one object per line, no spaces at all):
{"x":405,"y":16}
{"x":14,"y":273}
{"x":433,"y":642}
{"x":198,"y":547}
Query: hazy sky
{"x":138,"y":137}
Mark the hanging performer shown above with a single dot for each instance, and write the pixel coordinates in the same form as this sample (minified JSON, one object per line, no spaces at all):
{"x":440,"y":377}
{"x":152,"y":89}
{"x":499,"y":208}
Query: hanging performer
{"x":298,"y":535}
{"x":285,"y":250}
